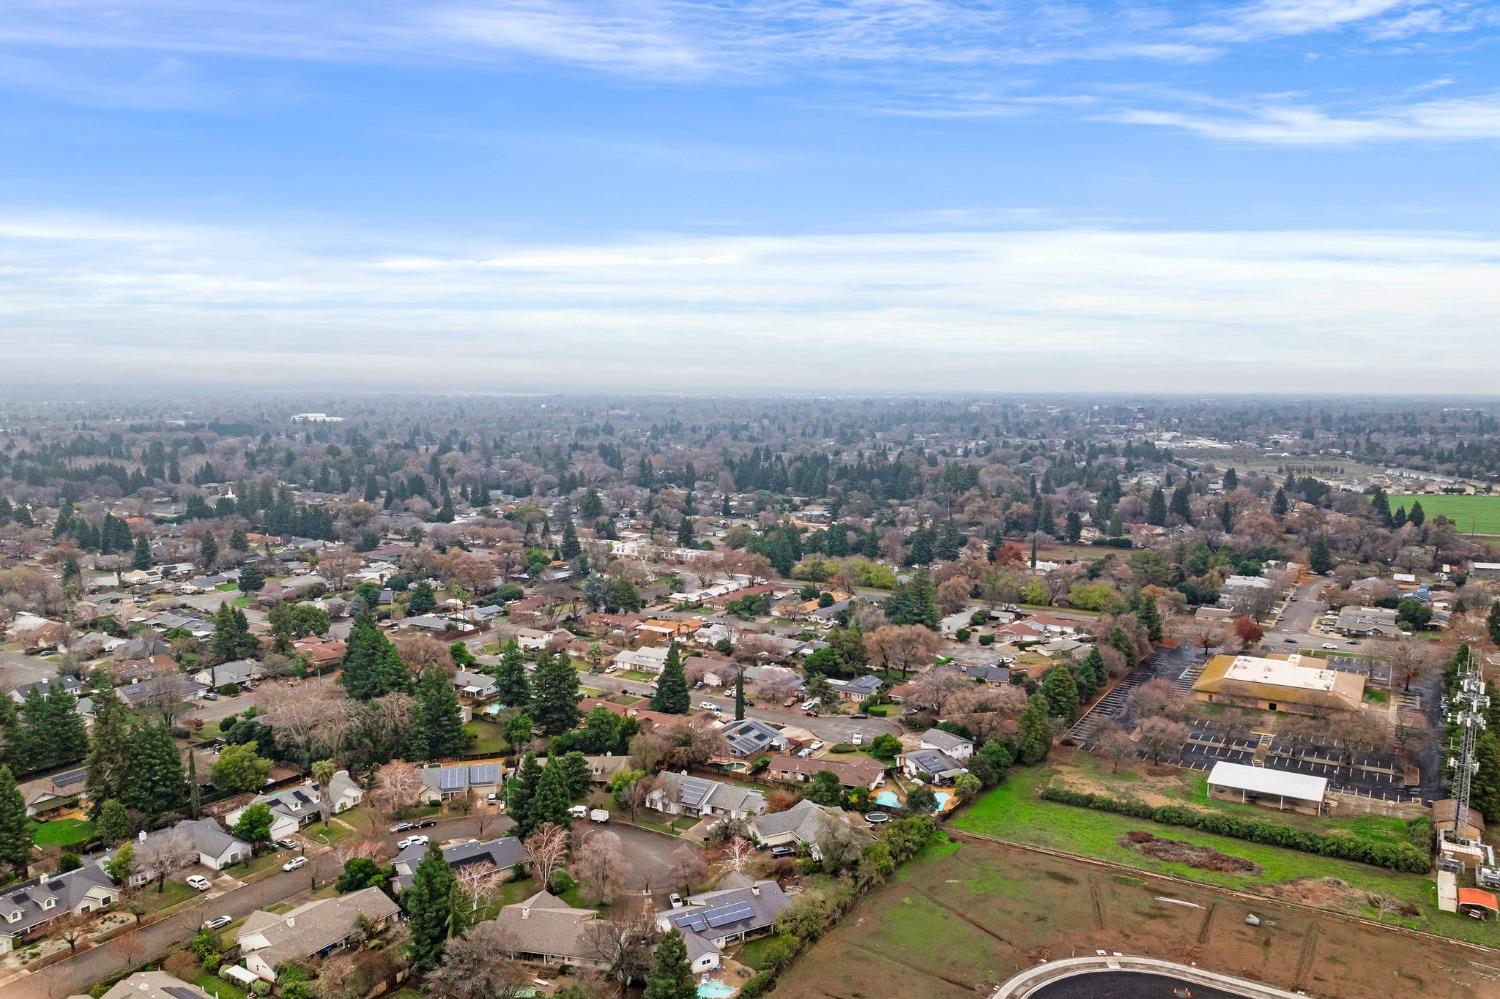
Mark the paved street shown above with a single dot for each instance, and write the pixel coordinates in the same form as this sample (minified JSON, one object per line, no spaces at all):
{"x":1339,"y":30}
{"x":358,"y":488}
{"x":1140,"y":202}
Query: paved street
{"x":83,"y":969}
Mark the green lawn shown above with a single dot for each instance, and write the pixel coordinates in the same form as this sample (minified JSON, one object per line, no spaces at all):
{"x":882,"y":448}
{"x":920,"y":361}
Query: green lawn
{"x":217,"y":987}
{"x":258,"y":866}
{"x":227,"y":587}
{"x":488,"y":737}
{"x":172,"y":894}
{"x":635,"y":674}
{"x":332,"y":834}
{"x":242,"y":601}
{"x":1471,"y":514}
{"x":1014,"y":813}
{"x":64,"y":832}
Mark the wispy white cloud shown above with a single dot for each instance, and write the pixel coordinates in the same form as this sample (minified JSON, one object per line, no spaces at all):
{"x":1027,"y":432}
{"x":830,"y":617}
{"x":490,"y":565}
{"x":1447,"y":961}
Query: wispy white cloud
{"x":1280,"y":18}
{"x":1277,"y":123}
{"x":1081,"y":308}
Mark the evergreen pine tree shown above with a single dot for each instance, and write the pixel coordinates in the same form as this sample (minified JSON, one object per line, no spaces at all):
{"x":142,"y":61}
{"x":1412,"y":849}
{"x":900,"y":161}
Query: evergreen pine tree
{"x":671,"y":687}
{"x":1231,"y":480}
{"x":195,"y":805}
{"x":109,"y":756}
{"x":69,"y":736}
{"x":13,"y":751}
{"x":520,"y":793}
{"x":1485,"y":789}
{"x":208,"y":552}
{"x":739,"y":695}
{"x":141,"y":557}
{"x":437,"y":723}
{"x":554,"y":698}
{"x":1092,"y":673}
{"x":576,"y":773}
{"x":1061,"y":691}
{"x":430,"y":911}
{"x":552,"y":798}
{"x":113,"y":826}
{"x":1319,"y":559}
{"x":15,"y":830}
{"x":232,"y":638}
{"x":1150,"y":618}
{"x":252,"y":578}
{"x":914,"y":602}
{"x":511,"y":683}
{"x":1182,"y":503}
{"x":423,"y":600}
{"x":1492,"y":622}
{"x":671,"y":976}
{"x":1035,"y":734}
{"x":685,"y":532}
{"x":1156,"y":508}
{"x":1279,"y":504}
{"x":570,"y":546}
{"x":361,"y":654}
{"x":155,"y":783}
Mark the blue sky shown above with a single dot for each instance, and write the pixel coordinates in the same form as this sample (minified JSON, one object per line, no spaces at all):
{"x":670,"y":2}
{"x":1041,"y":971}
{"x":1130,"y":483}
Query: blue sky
{"x":706,"y":194}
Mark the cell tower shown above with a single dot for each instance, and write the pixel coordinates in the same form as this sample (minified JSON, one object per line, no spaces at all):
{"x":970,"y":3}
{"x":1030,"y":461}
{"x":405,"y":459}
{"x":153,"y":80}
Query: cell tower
{"x":1466,"y":710}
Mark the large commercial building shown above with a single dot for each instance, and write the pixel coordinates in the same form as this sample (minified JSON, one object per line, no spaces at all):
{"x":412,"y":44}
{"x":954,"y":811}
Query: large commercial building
{"x":1292,"y":684}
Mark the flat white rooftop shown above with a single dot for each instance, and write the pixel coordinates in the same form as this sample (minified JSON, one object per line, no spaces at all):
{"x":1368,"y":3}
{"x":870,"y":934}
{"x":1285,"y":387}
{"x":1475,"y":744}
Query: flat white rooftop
{"x":1282,"y":672}
{"x":1258,"y":780}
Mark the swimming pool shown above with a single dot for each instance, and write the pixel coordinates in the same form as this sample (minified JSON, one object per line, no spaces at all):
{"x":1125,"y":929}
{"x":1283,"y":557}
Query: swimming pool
{"x":888,"y":799}
{"x":942,"y":801}
{"x":715,"y":990}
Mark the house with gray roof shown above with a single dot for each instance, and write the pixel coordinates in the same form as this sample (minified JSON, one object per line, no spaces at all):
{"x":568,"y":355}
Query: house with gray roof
{"x":216,"y":848}
{"x":803,"y":824}
{"x":154,"y":985}
{"x":749,"y":738}
{"x":294,"y":807}
{"x":857,"y":689}
{"x":547,"y":930}
{"x":502,"y":854}
{"x":932,"y":764}
{"x":268,"y":940}
{"x":447,"y":783}
{"x":682,"y":794}
{"x":711,"y":921}
{"x":238,"y":672}
{"x":955,"y":746}
{"x":27,"y":908}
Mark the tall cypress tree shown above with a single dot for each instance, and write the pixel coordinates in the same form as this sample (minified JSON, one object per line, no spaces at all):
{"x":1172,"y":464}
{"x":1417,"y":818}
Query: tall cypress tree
{"x":155,"y":783}
{"x":671,"y":687}
{"x":1035,"y":734}
{"x":15,"y":833}
{"x":520,"y":793}
{"x":232,"y":639}
{"x":141,"y":556}
{"x":429,"y":908}
{"x":109,"y":758}
{"x":511,"y":684}
{"x":1150,"y":618}
{"x":1156,"y":508}
{"x":671,"y":976}
{"x":554,"y":699}
{"x":437,"y":723}
{"x":13,"y":750}
{"x":552,"y":798}
{"x":739,"y":695}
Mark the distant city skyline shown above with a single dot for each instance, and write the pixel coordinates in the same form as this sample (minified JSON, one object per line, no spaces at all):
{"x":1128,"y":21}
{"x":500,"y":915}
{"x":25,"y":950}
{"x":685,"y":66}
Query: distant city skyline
{"x":1289,"y":196}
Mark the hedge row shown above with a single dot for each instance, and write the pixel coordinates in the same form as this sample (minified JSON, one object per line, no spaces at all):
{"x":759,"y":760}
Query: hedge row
{"x":1395,"y":856}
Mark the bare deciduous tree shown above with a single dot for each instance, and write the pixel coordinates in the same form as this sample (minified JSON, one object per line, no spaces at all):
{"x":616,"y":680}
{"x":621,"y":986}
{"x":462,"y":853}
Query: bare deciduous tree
{"x":167,"y":851}
{"x":398,"y":785}
{"x":623,"y":949}
{"x":1160,"y":736}
{"x":476,"y":966}
{"x":478,"y":881}
{"x":687,"y":868}
{"x":737,"y":854}
{"x":1115,"y":744}
{"x":601,"y":867}
{"x":546,"y":849}
{"x":902,"y":646}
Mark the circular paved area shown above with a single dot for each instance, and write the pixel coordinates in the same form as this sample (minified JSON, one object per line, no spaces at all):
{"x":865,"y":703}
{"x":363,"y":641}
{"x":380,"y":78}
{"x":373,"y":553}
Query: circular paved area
{"x":1127,"y":985}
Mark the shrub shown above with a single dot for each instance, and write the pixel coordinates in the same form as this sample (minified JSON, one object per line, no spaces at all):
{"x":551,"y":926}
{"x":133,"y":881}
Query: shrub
{"x":842,"y":747}
{"x":986,"y":639}
{"x":1404,"y":857}
{"x":962,"y":634}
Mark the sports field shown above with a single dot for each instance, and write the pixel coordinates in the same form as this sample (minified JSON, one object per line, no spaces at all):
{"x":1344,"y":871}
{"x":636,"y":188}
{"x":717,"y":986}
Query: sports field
{"x":1472,"y":514}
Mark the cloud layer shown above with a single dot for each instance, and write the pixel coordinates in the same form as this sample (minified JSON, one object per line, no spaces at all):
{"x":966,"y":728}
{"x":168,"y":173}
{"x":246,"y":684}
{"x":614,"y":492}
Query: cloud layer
{"x":1089,"y":309}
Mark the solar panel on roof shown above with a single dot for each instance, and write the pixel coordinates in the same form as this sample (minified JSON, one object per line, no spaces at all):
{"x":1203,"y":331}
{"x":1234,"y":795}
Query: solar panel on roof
{"x":177,"y":992}
{"x":694,"y":922}
{"x":726,"y":914}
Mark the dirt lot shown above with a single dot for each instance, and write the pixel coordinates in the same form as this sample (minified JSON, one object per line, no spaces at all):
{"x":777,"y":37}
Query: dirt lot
{"x":965,"y":917}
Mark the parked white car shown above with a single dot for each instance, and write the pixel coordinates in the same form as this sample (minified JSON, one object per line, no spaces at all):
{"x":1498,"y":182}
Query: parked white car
{"x":709,"y":706}
{"x":411,"y":841}
{"x":578,"y":811}
{"x":198,"y":881}
{"x":294,"y":863}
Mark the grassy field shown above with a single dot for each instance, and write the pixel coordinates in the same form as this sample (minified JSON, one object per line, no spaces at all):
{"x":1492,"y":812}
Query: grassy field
{"x":1472,"y":514}
{"x":960,"y":919}
{"x":1014,"y":813}
{"x":64,"y":833}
